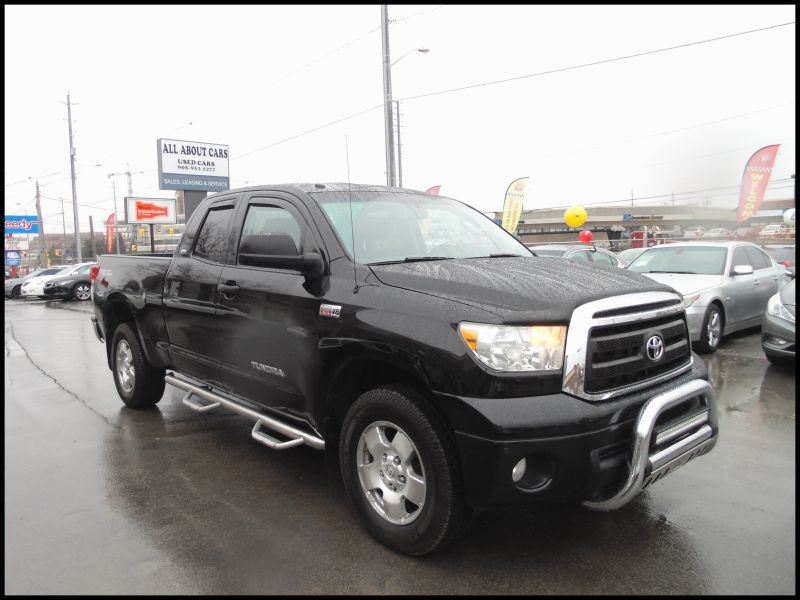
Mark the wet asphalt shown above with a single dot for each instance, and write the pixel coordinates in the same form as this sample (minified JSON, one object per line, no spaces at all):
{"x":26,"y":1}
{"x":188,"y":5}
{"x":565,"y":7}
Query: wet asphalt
{"x":101,"y":499}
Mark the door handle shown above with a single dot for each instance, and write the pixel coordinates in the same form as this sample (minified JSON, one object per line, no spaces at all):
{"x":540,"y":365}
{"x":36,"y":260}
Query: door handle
{"x":756,"y":282}
{"x":229,"y":288}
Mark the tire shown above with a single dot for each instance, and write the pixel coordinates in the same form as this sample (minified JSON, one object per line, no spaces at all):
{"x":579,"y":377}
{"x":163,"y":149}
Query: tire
{"x":16,"y":292}
{"x":712,"y":331}
{"x":138,"y":383}
{"x":82,"y":292}
{"x":415,"y":462}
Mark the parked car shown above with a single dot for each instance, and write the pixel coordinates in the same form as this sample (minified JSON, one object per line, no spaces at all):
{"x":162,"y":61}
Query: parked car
{"x":747,"y":234}
{"x":694,"y":231}
{"x":726,"y":285}
{"x":74,"y":285}
{"x":439,"y":384}
{"x":777,"y":331}
{"x":783,"y":254}
{"x":579,"y":252}
{"x":34,"y":287}
{"x":630,"y":254}
{"x":14,"y":286}
{"x":776,"y":231}
{"x":718,"y":233}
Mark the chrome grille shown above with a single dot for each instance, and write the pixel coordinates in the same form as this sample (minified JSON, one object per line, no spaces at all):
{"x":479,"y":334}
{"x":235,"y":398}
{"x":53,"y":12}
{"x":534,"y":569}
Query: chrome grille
{"x":605,"y":354}
{"x":616,"y":353}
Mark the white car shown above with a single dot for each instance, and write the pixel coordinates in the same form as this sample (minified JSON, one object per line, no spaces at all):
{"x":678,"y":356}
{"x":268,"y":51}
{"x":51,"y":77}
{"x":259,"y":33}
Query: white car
{"x":34,"y":287}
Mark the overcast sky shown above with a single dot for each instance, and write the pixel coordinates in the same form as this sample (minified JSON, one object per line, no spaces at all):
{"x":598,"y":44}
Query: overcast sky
{"x":261,"y":79}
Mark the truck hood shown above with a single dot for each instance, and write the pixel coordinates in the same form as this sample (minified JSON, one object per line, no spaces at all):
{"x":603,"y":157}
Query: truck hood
{"x":517,"y":289}
{"x":686,"y":284}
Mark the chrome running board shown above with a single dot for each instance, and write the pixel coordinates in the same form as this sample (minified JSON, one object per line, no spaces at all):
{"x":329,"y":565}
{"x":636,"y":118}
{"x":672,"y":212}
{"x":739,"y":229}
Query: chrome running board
{"x":646,"y":468}
{"x":297,"y":437}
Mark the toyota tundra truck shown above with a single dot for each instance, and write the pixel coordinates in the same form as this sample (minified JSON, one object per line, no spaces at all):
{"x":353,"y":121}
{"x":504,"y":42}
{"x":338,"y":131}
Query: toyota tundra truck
{"x":440,"y":366}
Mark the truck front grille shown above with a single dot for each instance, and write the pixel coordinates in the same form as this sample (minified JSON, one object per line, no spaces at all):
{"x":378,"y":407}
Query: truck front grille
{"x":606,"y":352}
{"x":617,"y":354}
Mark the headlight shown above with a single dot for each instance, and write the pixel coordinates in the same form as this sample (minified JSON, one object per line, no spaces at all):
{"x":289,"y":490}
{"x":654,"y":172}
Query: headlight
{"x":690,"y":299}
{"x":514,"y":348}
{"x":775,"y":308}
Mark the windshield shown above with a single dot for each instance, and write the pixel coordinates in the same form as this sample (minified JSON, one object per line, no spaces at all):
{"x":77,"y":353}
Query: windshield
{"x":402,"y":226}
{"x":699,"y":260}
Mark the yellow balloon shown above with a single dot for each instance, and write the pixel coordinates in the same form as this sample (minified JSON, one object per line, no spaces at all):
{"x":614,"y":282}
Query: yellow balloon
{"x":575,"y":216}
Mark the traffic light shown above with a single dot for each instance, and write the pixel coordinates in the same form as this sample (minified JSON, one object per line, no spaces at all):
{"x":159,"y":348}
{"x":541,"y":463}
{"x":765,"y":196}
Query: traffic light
{"x":172,"y":231}
{"x":133,"y":248}
{"x":142,"y":232}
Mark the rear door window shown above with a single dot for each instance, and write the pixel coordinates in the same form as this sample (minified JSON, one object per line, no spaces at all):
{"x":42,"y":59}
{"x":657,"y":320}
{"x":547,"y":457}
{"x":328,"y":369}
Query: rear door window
{"x":212,"y":240}
{"x":758,"y":259}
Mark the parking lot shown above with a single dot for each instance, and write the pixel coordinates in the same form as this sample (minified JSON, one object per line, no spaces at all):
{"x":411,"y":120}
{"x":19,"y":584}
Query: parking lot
{"x":101,"y":499}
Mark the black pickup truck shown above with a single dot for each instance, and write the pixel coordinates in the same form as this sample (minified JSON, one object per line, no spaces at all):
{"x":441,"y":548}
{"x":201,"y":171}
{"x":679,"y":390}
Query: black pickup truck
{"x":440,"y":365}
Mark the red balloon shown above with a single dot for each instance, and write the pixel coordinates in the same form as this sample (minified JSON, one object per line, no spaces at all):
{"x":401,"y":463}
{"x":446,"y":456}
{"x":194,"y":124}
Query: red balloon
{"x":586,"y":236}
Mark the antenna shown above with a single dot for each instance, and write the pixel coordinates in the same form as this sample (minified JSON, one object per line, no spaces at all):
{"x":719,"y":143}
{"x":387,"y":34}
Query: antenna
{"x":352,"y":230}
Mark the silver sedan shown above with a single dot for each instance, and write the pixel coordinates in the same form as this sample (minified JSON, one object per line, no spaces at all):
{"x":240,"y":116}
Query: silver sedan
{"x":725,"y":286}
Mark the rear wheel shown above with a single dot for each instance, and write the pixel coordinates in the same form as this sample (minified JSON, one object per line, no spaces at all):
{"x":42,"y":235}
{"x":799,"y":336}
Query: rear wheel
{"x":81,"y":292}
{"x":711,"y":334}
{"x":399,"y":466}
{"x":138,"y":383}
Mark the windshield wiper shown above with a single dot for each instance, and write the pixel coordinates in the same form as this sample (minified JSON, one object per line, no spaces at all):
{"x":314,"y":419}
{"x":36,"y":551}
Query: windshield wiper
{"x":410,"y":259}
{"x":676,"y":272}
{"x":500,"y":256}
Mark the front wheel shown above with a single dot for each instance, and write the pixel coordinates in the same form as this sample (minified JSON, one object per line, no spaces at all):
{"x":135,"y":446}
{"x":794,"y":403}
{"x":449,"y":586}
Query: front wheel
{"x":81,"y":292}
{"x":16,"y":292}
{"x":711,"y":334}
{"x":399,"y":466}
{"x":138,"y":383}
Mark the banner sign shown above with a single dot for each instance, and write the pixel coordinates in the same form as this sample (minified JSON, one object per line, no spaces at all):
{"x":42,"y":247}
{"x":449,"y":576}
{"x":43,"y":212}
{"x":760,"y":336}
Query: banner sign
{"x":110,"y":231}
{"x":13,"y":258}
{"x":21,"y":224}
{"x":754,"y":182}
{"x":512,"y":206}
{"x":198,"y":166}
{"x":151,"y":210}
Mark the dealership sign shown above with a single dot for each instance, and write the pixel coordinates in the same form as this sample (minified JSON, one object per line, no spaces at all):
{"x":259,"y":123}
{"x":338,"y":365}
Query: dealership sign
{"x":21,"y":224}
{"x":196,"y":166}
{"x":13,"y":258}
{"x":151,"y":210}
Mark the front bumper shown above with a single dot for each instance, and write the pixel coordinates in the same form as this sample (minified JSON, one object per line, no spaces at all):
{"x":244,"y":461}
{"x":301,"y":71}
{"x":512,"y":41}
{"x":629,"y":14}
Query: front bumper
{"x":694,"y":318}
{"x":777,"y":337}
{"x":58,"y":291}
{"x":600,"y":453}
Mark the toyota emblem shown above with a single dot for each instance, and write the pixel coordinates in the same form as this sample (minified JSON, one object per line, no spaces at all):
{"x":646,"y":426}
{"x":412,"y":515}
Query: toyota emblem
{"x":655,"y":348}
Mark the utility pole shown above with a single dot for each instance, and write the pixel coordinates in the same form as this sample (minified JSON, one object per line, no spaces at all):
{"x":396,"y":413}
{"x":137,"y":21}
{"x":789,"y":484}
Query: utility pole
{"x":399,"y":147}
{"x":114,"y":188}
{"x":130,"y":180}
{"x":673,"y":198}
{"x":631,"y":197}
{"x":387,"y":97}
{"x":74,"y":192}
{"x":42,"y":249}
{"x":64,"y":225}
{"x":91,"y":230}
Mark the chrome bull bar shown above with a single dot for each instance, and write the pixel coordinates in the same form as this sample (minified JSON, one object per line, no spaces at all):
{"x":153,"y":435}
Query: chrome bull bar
{"x":646,"y":468}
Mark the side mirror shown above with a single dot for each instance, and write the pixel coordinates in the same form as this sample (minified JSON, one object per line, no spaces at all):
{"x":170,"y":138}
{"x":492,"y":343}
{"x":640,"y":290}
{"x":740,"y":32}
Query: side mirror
{"x":789,"y":273}
{"x":742,"y":270}
{"x":310,"y":264}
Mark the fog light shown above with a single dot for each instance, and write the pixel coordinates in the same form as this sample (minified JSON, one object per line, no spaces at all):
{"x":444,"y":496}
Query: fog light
{"x":777,"y":341}
{"x":518,"y":471}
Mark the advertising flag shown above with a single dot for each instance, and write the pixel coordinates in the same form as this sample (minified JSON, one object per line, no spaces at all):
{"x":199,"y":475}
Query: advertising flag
{"x":433,"y":190}
{"x":754,"y":182}
{"x":512,"y":206}
{"x":110,"y":230}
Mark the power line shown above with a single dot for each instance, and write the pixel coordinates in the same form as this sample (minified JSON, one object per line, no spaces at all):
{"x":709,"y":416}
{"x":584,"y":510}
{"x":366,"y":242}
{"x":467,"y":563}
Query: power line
{"x":593,"y":64}
{"x":585,"y":65}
